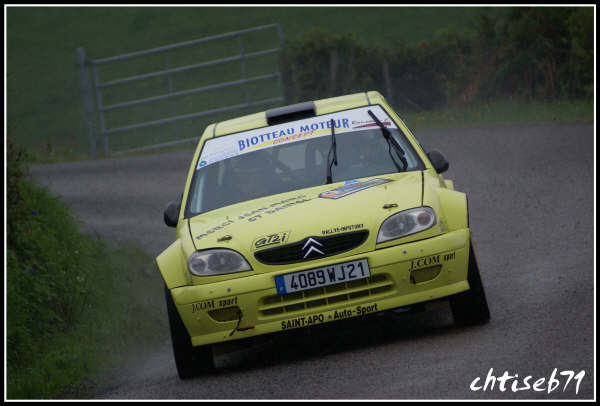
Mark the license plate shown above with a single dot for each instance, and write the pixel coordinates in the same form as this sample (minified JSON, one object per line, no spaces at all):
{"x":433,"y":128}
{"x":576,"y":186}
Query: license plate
{"x":323,"y":276}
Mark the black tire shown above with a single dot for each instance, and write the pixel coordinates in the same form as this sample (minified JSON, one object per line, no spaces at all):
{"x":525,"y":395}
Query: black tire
{"x":190,"y":361}
{"x":470,"y":307}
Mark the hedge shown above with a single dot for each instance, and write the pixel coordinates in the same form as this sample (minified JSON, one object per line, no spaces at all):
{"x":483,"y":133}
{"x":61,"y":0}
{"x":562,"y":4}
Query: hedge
{"x":535,"y":53}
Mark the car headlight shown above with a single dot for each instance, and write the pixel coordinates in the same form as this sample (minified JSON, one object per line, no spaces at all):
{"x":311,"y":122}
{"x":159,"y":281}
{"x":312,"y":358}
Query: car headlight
{"x":218,"y":261}
{"x":405,"y":223}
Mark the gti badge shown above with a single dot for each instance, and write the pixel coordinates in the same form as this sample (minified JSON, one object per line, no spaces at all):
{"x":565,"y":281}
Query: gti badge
{"x":311,"y":244}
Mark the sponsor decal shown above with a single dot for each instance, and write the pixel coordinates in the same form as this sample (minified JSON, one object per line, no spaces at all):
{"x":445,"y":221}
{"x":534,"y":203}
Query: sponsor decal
{"x":290,"y":134}
{"x":221,"y":148}
{"x":352,"y":188}
{"x":217,"y":228}
{"x":213,"y":304}
{"x":342,"y":229}
{"x":302,"y":321}
{"x":258,"y":213}
{"x":351,"y":181}
{"x":276,"y":207}
{"x":431,"y":260}
{"x":270,"y":240}
{"x":369,"y":123}
{"x":357,"y":311}
{"x":305,"y":321}
{"x":450,"y":256}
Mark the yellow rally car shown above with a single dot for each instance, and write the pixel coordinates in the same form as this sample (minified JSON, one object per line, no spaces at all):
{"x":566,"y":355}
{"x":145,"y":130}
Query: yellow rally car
{"x":307,"y":214}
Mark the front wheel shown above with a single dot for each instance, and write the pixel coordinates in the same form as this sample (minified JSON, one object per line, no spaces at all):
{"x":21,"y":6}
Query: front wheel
{"x":190,"y":361}
{"x":470,"y":307}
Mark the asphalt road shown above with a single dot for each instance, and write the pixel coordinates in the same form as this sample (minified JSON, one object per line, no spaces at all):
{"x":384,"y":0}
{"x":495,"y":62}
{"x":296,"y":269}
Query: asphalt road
{"x":531,"y":199}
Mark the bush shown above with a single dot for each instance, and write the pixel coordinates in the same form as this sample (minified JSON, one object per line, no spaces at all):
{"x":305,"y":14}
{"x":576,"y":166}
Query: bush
{"x":581,"y":33}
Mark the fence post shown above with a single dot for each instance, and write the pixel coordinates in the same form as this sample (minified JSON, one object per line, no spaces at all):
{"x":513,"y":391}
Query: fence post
{"x":333,"y":70}
{"x":388,"y":82}
{"x":100,"y":108}
{"x":87,"y":99}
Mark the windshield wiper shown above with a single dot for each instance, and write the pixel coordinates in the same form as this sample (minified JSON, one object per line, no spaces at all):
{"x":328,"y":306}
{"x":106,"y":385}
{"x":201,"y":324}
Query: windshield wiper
{"x":391,"y":141}
{"x":332,"y":149}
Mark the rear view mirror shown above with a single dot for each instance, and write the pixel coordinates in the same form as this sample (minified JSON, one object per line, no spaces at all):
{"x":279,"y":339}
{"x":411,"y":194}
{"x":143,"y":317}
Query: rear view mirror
{"x":171,"y":214}
{"x":438,"y":160}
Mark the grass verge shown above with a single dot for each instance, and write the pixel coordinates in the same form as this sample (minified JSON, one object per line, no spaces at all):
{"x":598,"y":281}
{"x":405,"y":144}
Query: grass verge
{"x":76,"y":305}
{"x":504,"y":112}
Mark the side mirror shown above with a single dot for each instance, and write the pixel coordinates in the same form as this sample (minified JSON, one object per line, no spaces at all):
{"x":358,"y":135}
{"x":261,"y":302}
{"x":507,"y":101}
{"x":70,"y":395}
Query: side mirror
{"x":438,"y":160}
{"x":172,"y":213}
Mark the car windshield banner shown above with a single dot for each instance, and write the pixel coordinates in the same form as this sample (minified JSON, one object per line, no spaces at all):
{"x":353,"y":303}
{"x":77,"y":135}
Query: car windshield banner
{"x":221,"y":148}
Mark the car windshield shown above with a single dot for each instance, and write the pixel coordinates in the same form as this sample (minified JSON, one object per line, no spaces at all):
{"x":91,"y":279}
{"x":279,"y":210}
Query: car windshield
{"x":302,"y":163}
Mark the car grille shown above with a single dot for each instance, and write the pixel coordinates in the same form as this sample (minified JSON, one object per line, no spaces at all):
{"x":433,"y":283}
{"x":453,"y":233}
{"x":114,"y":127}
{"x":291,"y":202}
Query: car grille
{"x":331,"y":245}
{"x":374,"y":287}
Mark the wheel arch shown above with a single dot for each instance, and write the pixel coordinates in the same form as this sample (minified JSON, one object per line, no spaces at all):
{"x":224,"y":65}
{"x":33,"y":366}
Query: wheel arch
{"x":454,"y":207}
{"x":172,"y":266}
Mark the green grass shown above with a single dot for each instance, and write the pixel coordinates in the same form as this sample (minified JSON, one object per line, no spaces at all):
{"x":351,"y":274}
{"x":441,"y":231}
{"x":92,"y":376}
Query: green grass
{"x":43,"y":90}
{"x":126,"y":316}
{"x":76,"y":305}
{"x":504,"y":112}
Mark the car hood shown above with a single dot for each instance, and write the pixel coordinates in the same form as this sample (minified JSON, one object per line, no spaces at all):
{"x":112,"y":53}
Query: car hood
{"x":319,"y":211}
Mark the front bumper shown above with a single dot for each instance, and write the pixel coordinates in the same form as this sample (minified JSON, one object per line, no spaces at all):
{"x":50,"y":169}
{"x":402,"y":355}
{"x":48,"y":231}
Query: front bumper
{"x":400,"y":276}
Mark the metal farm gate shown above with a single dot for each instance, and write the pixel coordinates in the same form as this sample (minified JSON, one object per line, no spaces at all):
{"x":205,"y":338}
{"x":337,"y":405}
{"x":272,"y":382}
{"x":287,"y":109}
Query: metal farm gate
{"x":167,"y":95}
